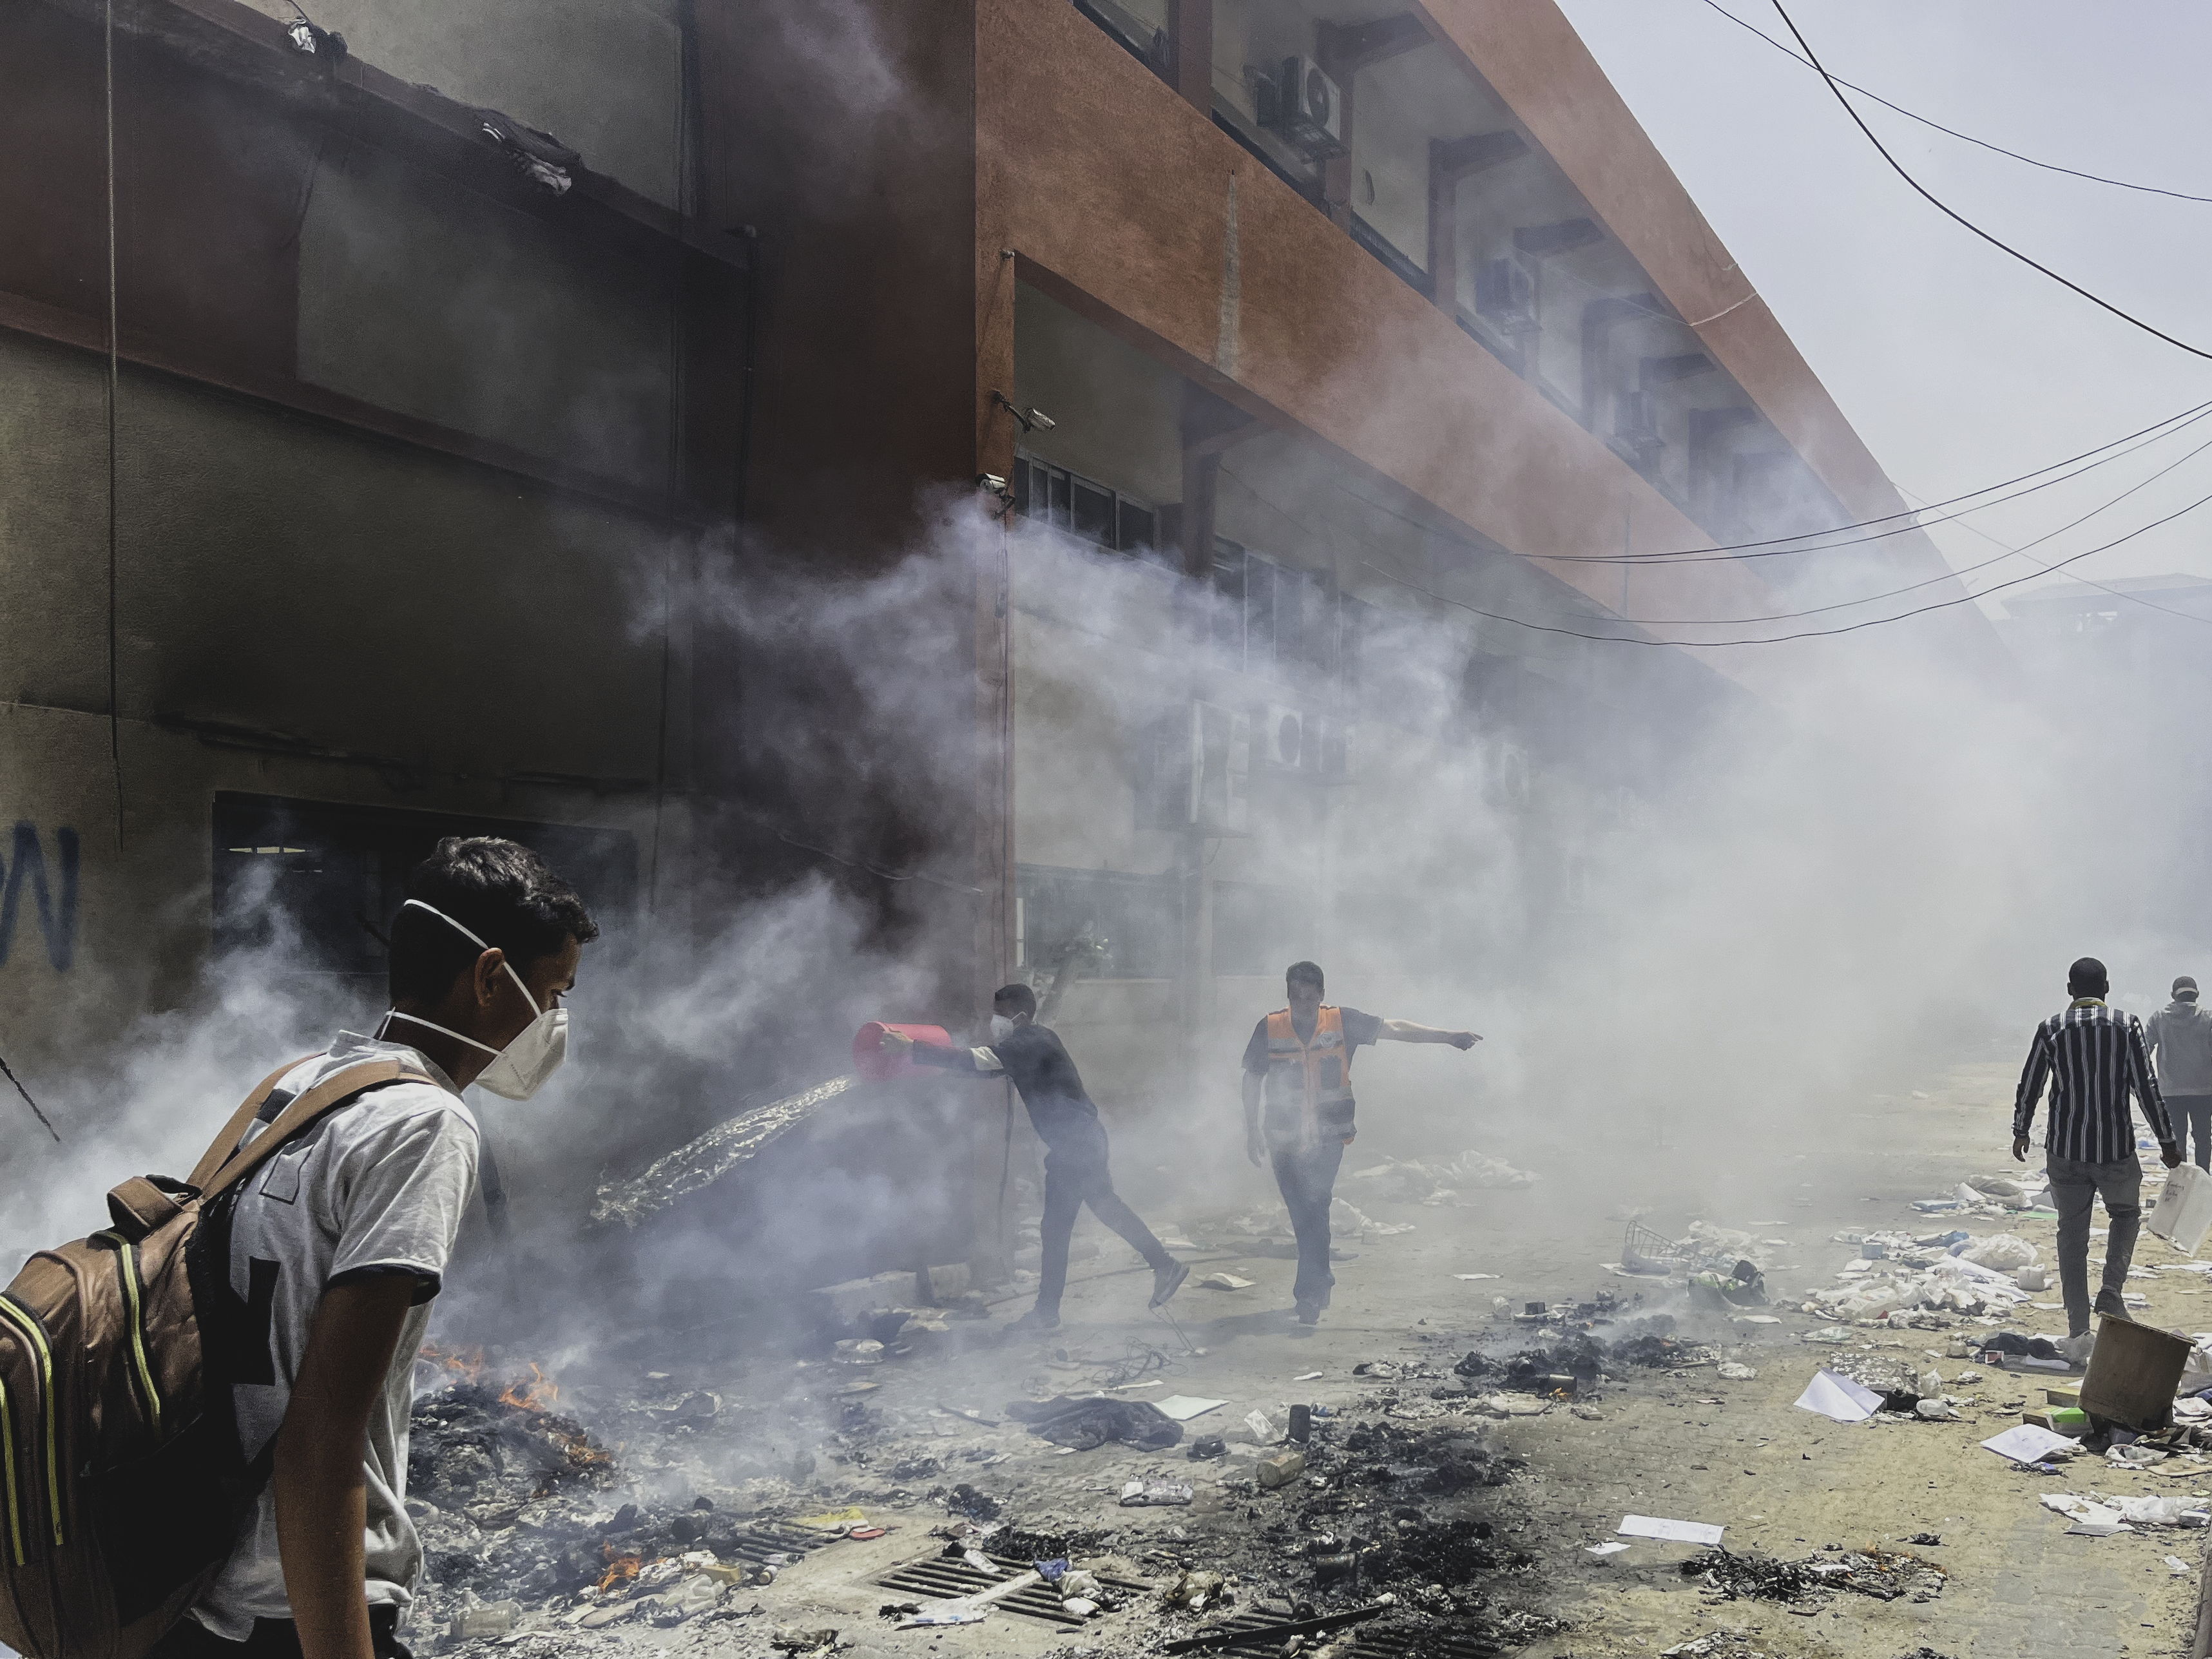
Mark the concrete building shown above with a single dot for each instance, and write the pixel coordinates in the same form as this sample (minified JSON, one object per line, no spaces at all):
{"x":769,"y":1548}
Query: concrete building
{"x":379,"y":464}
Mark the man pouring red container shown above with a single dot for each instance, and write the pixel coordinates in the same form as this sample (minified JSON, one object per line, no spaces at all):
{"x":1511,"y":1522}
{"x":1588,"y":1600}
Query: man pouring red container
{"x":1076,"y":1172}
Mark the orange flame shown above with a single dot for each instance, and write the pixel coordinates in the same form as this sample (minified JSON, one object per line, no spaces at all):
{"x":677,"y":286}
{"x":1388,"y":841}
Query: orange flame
{"x":620,"y":1568}
{"x":536,"y":1395}
{"x":469,"y":1363}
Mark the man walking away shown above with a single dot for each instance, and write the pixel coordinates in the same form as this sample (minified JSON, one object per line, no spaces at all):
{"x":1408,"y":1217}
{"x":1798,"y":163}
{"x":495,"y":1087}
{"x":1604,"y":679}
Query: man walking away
{"x":2179,"y":1038}
{"x":1298,"y":1066}
{"x":1076,"y":1171}
{"x":2093,"y":1056}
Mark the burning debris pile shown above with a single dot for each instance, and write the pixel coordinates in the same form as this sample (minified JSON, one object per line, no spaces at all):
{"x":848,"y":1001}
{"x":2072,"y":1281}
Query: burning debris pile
{"x":1569,"y":1365}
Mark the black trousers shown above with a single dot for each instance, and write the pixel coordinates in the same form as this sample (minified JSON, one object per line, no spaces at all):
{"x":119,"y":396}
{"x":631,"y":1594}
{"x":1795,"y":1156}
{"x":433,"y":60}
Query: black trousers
{"x":272,"y":1638}
{"x":2192,"y":1117}
{"x":1076,"y":1173}
{"x":1307,"y":1175}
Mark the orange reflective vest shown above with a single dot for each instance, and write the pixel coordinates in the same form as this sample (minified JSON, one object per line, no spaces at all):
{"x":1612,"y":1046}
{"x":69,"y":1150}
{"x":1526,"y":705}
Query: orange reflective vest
{"x":1310,"y":1080}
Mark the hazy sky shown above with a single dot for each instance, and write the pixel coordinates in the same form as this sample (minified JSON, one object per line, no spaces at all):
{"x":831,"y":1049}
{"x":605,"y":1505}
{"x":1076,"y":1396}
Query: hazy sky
{"x":1959,"y":366}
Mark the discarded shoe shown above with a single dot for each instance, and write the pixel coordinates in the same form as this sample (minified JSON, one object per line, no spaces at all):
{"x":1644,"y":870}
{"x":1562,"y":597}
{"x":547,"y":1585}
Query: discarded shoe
{"x":1166,"y":1281}
{"x":1037,"y":1319}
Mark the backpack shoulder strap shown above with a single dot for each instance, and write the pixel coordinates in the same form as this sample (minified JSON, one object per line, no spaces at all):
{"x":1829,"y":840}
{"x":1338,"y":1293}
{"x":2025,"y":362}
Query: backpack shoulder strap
{"x":227,"y":1143}
{"x":331,"y":1092}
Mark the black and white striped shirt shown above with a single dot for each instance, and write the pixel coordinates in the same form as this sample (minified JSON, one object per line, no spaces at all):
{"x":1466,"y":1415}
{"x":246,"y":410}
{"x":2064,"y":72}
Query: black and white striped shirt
{"x":2093,"y":1056}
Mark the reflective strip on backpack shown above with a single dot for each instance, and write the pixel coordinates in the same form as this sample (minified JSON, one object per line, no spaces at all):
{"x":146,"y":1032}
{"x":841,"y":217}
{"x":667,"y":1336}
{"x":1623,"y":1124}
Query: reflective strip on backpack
{"x":8,"y":1473}
{"x":37,"y":1337}
{"x":126,"y":1256}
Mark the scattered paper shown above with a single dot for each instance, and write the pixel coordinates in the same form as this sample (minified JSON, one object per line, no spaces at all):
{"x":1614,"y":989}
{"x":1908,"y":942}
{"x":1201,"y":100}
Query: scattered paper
{"x":1835,"y":1395}
{"x":1470,"y":1278}
{"x":1678,"y":1532}
{"x":945,"y":1612}
{"x":2084,"y":1513}
{"x":1755,"y":1319}
{"x":1611,"y":1546}
{"x":1225,"y":1281}
{"x":2178,"y":1567}
{"x":2024,"y":1443}
{"x":1307,"y":1376}
{"x":1184,"y":1406}
{"x":1261,"y":1428}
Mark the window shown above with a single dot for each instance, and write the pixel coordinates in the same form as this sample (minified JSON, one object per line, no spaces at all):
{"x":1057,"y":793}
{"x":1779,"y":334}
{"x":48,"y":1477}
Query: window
{"x":332,"y":874}
{"x":1128,"y":925}
{"x":1274,"y":619}
{"x":1084,"y":507}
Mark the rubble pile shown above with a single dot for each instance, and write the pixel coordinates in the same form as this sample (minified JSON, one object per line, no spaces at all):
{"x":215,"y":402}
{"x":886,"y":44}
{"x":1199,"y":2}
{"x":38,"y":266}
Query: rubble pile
{"x":1930,"y":1282}
{"x":1885,"y":1575}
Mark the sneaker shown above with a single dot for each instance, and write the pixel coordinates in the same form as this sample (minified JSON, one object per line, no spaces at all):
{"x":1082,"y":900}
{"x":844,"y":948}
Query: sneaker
{"x":1309,"y":1313}
{"x":1166,"y":1281}
{"x":2109,"y":1305}
{"x":1037,"y":1319}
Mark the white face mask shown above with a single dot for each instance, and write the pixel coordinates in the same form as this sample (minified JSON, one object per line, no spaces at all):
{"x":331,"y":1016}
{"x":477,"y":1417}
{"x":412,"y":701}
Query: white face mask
{"x":519,"y":1070}
{"x":1001,"y":1028}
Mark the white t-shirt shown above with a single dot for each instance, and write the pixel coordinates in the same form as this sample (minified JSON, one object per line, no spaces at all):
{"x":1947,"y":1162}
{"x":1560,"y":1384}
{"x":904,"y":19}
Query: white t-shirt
{"x":378,"y":1186}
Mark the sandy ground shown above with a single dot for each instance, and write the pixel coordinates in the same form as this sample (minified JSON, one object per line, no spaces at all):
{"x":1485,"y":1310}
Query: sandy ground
{"x":1687,"y":1445}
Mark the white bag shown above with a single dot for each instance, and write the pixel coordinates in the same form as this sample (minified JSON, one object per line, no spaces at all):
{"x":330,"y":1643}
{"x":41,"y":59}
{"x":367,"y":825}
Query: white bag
{"x":2184,"y":1212}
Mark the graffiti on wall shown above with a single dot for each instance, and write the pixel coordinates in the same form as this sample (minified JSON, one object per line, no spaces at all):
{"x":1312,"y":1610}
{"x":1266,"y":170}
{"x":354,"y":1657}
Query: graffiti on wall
{"x":49,"y":890}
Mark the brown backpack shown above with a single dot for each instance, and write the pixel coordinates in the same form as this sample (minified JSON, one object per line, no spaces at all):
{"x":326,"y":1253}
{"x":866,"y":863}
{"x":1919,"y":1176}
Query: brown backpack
{"x":123,"y":1485}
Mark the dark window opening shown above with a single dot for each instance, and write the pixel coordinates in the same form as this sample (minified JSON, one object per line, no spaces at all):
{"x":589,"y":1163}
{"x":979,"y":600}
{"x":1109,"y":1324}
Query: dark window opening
{"x":330,"y":877}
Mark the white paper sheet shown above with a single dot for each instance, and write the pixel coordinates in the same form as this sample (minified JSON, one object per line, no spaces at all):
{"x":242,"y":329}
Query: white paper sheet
{"x":1611,"y":1546}
{"x":1184,"y":1406}
{"x":2024,"y":1443}
{"x":1835,"y":1395}
{"x":1470,"y":1278}
{"x":1678,"y":1532}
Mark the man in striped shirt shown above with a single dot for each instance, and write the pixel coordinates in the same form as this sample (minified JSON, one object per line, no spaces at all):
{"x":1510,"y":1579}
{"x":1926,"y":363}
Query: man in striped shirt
{"x":2093,"y":1056}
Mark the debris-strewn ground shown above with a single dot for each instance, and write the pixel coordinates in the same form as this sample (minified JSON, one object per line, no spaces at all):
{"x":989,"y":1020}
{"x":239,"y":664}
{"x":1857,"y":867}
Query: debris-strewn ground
{"x":1491,"y":1392}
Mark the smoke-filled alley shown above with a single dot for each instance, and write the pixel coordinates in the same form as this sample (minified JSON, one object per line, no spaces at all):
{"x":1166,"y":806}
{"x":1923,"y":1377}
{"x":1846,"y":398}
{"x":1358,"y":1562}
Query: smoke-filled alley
{"x":1334,"y":828}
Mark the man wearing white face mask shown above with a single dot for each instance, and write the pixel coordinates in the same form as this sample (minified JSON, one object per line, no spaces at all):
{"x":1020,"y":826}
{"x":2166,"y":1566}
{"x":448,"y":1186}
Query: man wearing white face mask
{"x":337,"y":1245}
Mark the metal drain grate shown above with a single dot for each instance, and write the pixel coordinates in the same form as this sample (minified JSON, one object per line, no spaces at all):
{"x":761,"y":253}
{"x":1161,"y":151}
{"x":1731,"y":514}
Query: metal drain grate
{"x":1419,"y":1644}
{"x":1250,"y":1631}
{"x":759,"y":1541}
{"x":943,"y":1578}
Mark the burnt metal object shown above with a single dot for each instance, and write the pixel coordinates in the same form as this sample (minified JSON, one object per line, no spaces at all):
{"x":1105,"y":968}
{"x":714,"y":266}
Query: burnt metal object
{"x":948,"y":1577}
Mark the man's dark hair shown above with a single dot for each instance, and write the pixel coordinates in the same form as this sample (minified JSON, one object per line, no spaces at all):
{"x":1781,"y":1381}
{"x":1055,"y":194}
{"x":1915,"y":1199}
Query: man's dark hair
{"x":1017,"y":997}
{"x":2088,"y":978}
{"x":1304,"y":973}
{"x":498,"y":890}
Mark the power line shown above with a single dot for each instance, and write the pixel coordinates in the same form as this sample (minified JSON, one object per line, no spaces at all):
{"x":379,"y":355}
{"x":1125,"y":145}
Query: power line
{"x":1966,"y":137}
{"x":1952,"y":214}
{"x":1715,"y":645}
{"x":2165,"y":428}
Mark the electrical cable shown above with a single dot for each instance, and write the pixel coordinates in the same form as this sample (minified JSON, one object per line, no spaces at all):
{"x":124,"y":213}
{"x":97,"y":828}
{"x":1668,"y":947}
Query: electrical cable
{"x":1966,"y":137}
{"x":8,"y":1071}
{"x":114,"y":390}
{"x":1947,"y":574}
{"x":2088,"y":581}
{"x":1769,"y":639}
{"x":1745,"y":551}
{"x":1951,"y":212}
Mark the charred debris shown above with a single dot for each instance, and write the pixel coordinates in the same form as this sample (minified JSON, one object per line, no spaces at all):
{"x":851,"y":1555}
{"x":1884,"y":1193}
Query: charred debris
{"x":1383,"y":1528}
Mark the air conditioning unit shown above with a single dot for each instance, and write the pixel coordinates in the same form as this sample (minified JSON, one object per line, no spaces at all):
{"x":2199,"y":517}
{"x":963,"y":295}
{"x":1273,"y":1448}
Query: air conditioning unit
{"x":1307,"y":108}
{"x":1201,"y":766}
{"x":1282,"y":740}
{"x":1506,"y":297}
